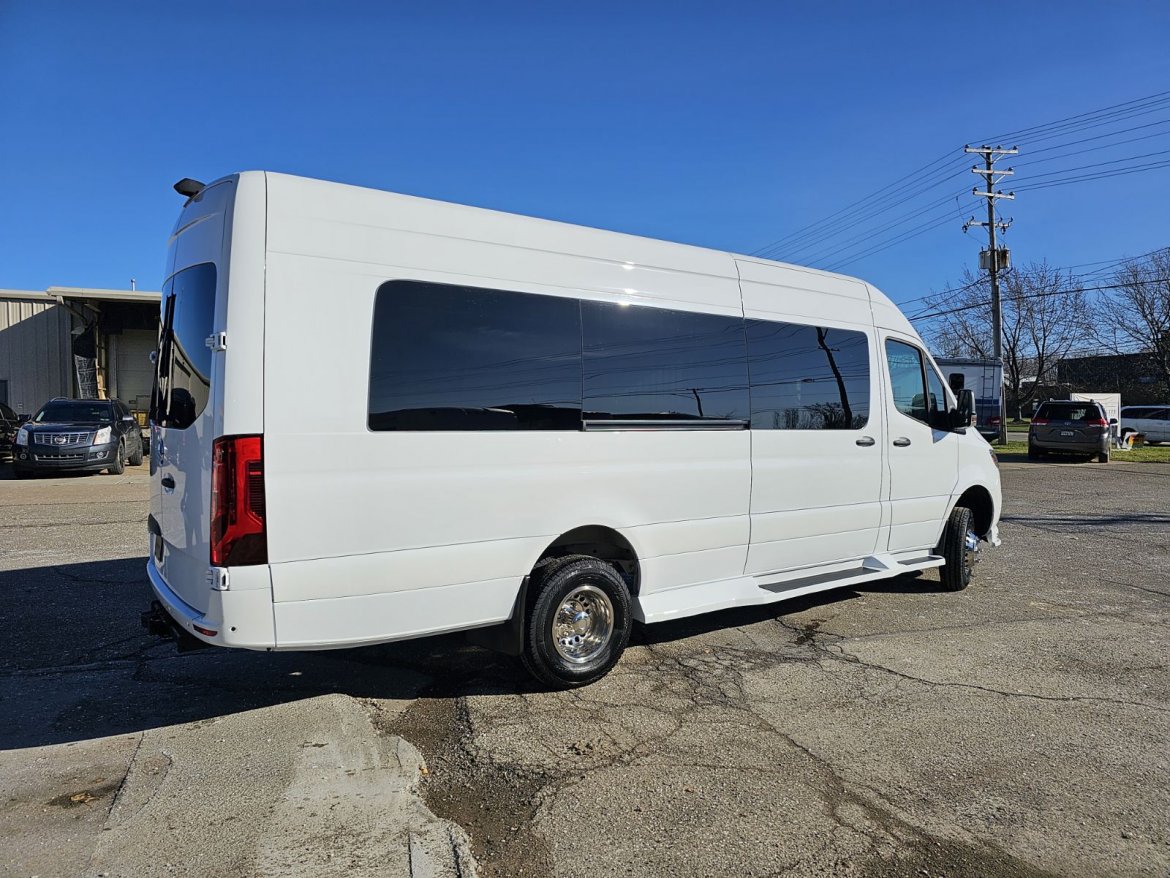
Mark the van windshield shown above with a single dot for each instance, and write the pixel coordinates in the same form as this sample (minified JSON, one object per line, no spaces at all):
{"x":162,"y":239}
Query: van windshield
{"x":183,"y":374}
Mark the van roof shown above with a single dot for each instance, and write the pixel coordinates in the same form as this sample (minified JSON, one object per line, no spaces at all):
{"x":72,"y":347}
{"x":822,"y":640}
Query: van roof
{"x":367,"y":209}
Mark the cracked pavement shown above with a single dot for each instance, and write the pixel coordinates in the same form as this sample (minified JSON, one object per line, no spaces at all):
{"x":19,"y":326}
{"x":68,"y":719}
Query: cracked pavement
{"x":1018,"y":728}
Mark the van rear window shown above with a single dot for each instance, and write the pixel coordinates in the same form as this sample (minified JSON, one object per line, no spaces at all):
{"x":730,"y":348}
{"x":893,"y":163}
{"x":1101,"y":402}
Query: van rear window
{"x":183,"y":377}
{"x":1069,"y":411}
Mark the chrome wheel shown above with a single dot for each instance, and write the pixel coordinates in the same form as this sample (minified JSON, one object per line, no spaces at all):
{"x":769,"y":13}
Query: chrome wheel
{"x":971,"y":550}
{"x":583,"y":624}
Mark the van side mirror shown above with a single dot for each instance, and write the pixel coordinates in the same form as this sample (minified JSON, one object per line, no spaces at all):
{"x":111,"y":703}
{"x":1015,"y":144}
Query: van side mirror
{"x":964,"y":415}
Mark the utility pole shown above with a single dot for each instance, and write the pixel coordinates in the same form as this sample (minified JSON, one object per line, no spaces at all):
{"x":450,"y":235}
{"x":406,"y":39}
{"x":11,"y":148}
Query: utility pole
{"x":991,"y":176}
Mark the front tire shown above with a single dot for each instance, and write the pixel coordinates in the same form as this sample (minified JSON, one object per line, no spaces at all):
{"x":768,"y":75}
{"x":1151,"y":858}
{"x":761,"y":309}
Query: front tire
{"x":579,"y":625}
{"x":960,"y":548}
{"x":119,"y":465}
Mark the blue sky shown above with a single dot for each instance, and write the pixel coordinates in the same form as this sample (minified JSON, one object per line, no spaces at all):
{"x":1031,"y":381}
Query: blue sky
{"x":727,"y":125}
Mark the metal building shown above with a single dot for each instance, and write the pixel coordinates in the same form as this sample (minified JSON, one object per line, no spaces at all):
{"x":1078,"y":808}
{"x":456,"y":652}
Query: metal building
{"x":77,"y":342}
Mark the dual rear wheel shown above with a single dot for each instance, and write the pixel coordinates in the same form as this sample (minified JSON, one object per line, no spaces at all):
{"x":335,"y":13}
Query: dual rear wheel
{"x":579,"y":623}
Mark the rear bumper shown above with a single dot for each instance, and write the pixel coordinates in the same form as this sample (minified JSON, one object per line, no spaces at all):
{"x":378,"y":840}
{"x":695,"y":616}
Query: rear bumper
{"x":240,"y":619}
{"x":1092,"y":446}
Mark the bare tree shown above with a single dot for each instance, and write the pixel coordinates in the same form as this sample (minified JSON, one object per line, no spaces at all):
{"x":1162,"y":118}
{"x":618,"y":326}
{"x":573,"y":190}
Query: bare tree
{"x":1138,"y":312}
{"x":1045,"y":316}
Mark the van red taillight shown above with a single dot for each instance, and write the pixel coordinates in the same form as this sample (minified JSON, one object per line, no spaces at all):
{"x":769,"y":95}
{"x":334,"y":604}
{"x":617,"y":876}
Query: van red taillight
{"x":1039,"y":422}
{"x":238,"y":534}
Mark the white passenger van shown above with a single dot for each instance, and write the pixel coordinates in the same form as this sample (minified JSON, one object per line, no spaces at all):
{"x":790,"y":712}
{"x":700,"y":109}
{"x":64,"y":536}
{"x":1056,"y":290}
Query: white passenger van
{"x":380,"y":417}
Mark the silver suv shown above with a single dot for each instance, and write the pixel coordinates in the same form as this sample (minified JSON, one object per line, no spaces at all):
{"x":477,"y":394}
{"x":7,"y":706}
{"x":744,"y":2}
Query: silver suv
{"x":1069,"y":428}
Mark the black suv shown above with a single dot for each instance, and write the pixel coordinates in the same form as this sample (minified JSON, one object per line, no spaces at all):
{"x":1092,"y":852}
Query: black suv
{"x":1069,"y":427}
{"x":78,"y":435}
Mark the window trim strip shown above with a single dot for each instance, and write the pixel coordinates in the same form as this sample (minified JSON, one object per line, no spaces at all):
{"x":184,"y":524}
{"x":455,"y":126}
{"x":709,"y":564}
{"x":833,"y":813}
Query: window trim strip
{"x":616,"y":424}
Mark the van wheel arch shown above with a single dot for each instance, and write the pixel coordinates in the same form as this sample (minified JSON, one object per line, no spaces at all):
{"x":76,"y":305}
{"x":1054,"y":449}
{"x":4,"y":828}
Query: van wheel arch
{"x":978,"y":499}
{"x":594,"y":541}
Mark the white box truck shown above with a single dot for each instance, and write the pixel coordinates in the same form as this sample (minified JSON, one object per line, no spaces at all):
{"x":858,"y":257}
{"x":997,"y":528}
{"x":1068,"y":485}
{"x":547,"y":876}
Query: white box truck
{"x":985,"y":378}
{"x":380,"y":417}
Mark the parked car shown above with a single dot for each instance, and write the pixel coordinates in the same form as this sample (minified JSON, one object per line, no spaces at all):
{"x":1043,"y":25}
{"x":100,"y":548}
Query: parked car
{"x":78,"y":435}
{"x":1153,"y":421}
{"x":1069,"y":428}
{"x":9,"y":422}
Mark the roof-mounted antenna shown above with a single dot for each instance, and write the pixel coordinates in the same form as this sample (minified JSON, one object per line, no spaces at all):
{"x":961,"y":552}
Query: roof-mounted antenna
{"x":188,"y":187}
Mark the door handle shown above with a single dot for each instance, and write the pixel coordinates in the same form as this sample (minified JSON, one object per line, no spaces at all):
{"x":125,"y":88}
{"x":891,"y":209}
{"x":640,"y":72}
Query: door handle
{"x":168,"y":483}
{"x":901,"y":442}
{"x":865,"y":441}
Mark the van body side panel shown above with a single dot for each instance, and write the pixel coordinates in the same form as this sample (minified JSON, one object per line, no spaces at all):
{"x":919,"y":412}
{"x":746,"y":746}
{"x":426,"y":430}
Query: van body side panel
{"x":405,"y":533}
{"x":816,"y":493}
{"x":458,"y":244}
{"x":243,"y":315}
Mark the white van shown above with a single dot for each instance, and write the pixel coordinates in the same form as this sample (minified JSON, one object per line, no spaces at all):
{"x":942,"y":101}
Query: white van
{"x":380,"y":417}
{"x":1152,"y":421}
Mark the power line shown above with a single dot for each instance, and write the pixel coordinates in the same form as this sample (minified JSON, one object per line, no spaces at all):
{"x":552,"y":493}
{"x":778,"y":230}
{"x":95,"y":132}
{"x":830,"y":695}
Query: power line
{"x":1101,"y":112}
{"x":1107,"y":265}
{"x":820,"y":241}
{"x":912,"y":233}
{"x":1027,"y":187}
{"x":836,"y":219}
{"x":1040,"y":295}
{"x":1101,"y":137}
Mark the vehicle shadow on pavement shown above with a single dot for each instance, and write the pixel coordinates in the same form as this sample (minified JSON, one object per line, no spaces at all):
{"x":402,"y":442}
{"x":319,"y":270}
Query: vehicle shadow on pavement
{"x":76,"y":664}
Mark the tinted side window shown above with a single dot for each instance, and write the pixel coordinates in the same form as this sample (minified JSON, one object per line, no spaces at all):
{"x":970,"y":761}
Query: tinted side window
{"x":652,"y":364}
{"x":907,"y":380}
{"x":807,"y":377}
{"x":184,"y":373}
{"x":463,"y":358}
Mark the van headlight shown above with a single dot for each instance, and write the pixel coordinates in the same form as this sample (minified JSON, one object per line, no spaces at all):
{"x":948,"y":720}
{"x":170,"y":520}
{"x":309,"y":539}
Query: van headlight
{"x":21,"y":436}
{"x":102,"y":436}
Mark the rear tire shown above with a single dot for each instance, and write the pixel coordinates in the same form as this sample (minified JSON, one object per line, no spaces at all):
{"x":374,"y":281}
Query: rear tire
{"x":1034,"y":453}
{"x":1103,"y":457}
{"x":119,"y":465}
{"x":579,"y":624}
{"x":136,"y":456}
{"x":960,"y":548}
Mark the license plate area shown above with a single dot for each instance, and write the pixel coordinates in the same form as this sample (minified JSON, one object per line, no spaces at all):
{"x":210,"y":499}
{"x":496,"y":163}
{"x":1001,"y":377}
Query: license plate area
{"x":1067,"y":433}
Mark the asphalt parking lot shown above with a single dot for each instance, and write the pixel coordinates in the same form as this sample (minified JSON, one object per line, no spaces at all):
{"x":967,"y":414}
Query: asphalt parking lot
{"x":1019,"y":728}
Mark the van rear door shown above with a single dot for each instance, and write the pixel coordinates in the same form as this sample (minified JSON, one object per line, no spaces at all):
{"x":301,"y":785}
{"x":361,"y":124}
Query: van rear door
{"x":185,"y":411}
